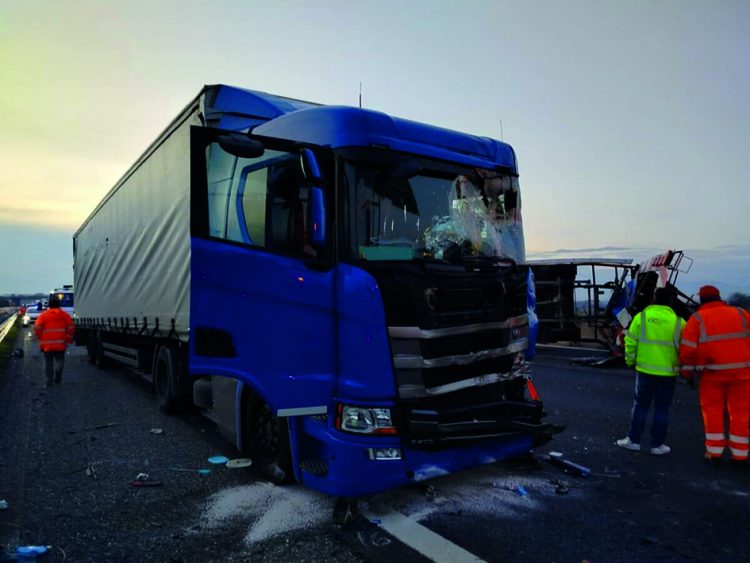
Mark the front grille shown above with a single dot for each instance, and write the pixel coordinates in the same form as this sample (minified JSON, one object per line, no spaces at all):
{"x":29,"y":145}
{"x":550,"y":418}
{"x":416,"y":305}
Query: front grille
{"x":455,"y":333}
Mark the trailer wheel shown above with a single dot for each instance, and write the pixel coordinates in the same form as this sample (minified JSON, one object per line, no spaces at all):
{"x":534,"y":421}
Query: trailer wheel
{"x":91,"y":348}
{"x":165,"y":381}
{"x":100,"y":360}
{"x":266,"y":439}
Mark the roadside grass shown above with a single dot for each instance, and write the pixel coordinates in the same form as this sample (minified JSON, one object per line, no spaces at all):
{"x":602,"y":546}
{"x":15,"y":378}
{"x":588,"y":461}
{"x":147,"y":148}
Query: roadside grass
{"x":7,"y":346}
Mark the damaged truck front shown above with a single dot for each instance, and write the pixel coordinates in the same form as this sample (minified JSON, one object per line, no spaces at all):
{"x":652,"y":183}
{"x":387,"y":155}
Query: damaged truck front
{"x":374,"y":271}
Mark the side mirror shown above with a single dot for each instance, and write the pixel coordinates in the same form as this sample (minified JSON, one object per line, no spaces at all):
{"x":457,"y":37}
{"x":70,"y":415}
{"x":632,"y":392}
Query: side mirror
{"x":310,"y":167}
{"x":240,"y":145}
{"x":316,"y":224}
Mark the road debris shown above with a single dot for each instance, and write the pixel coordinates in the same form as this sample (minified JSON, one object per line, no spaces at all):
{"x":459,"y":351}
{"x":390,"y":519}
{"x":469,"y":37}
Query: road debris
{"x":186,"y":470}
{"x":561,"y":487}
{"x":3,"y":504}
{"x":239,"y":463}
{"x":29,"y":552}
{"x":91,"y":472}
{"x":144,"y":480}
{"x":156,"y":431}
{"x":218,"y":459}
{"x":556,"y":458}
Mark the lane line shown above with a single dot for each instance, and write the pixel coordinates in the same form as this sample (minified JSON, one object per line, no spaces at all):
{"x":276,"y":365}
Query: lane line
{"x":425,"y":541}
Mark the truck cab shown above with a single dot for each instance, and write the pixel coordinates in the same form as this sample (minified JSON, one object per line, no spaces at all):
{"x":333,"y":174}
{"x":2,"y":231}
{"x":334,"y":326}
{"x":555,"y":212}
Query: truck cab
{"x":376,"y":272}
{"x":65,"y":295}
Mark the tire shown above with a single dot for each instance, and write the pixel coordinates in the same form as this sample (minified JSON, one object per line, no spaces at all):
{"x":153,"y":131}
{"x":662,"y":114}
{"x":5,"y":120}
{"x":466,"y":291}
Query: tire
{"x":91,"y":347}
{"x":265,"y":438}
{"x":98,"y":351}
{"x":165,"y":379}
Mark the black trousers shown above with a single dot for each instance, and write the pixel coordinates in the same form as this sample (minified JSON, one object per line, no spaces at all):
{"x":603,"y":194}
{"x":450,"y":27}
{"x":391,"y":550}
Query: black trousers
{"x":53,"y":365}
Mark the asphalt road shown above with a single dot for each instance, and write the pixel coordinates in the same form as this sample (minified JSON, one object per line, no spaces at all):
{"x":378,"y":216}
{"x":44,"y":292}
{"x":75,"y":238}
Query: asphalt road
{"x":68,"y":456}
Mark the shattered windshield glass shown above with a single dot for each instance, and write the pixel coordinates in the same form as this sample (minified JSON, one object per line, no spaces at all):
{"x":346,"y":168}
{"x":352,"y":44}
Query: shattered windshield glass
{"x":421,"y":209}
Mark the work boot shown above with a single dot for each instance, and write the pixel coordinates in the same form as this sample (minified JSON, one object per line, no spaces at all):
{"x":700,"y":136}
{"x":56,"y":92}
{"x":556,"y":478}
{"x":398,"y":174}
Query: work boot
{"x":663,"y":449}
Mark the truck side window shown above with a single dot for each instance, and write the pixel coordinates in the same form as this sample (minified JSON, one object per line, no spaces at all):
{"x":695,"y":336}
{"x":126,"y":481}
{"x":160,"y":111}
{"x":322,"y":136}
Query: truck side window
{"x":260,"y":202}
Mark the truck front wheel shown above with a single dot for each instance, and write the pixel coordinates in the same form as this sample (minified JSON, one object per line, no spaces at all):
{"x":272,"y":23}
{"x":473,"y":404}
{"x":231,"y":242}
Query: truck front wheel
{"x":165,"y":379}
{"x":266,"y":439}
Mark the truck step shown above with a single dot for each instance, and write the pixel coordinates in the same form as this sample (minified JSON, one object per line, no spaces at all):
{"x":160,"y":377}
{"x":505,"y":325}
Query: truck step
{"x":314,"y":467}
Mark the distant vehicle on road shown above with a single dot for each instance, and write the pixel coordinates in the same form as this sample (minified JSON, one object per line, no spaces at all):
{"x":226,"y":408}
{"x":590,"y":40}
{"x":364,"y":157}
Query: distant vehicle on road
{"x":65,"y":295}
{"x":32,"y":313}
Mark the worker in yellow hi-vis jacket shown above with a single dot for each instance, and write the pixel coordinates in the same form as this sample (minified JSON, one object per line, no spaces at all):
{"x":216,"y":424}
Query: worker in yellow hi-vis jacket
{"x":652,"y":345}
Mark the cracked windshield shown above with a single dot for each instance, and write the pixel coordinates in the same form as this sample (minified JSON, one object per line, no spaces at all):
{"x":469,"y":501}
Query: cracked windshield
{"x":412,"y":209}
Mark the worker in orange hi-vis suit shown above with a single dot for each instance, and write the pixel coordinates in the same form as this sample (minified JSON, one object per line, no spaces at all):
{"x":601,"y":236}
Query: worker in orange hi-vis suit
{"x":715,"y":346}
{"x":54,"y":328}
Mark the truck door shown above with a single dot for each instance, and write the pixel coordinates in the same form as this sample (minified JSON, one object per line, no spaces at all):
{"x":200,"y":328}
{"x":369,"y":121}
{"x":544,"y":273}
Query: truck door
{"x":261,"y":296}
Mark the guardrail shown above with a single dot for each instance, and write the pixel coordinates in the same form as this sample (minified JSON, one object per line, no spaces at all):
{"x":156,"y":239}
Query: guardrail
{"x":6,"y":326}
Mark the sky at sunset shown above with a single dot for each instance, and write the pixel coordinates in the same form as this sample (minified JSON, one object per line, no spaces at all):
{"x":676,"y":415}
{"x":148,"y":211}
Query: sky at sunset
{"x":630,"y":120}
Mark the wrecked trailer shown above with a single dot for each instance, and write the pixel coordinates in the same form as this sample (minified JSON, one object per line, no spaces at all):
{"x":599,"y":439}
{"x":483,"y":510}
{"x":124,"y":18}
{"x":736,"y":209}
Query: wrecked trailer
{"x":590,"y":302}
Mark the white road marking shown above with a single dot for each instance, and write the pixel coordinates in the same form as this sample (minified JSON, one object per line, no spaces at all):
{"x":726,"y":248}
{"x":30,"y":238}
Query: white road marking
{"x":410,"y":532}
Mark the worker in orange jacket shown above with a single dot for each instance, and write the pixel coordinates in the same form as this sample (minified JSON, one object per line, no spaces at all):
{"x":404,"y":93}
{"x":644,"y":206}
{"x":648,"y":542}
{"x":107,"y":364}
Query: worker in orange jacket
{"x":715,"y":346}
{"x":55,"y":329}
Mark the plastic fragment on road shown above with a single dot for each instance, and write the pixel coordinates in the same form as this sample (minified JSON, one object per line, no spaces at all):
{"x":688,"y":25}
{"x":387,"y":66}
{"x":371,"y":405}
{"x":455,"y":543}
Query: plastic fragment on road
{"x":3,"y":504}
{"x":239,"y":463}
{"x":144,"y":480}
{"x":156,"y":431}
{"x":218,"y":459}
{"x":187,"y":470}
{"x":91,"y":472}
{"x":29,"y":552}
{"x":556,"y":458}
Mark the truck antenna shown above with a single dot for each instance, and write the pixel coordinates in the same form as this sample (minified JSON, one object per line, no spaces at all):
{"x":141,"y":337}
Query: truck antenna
{"x":360,"y":95}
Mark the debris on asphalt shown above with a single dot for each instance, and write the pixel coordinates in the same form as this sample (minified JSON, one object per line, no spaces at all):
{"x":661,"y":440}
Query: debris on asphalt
{"x":29,"y":552}
{"x":218,"y":459}
{"x":239,"y":463}
{"x":144,"y":480}
{"x":344,"y":511}
{"x":556,"y":458}
{"x":156,"y":431}
{"x":3,"y":504}
{"x":561,"y":487}
{"x":186,"y":470}
{"x":430,"y":493}
{"x":91,"y":472}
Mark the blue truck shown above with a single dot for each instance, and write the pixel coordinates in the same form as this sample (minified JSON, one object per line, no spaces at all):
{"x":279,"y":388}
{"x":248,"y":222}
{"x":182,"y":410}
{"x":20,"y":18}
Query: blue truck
{"x":342,"y":291}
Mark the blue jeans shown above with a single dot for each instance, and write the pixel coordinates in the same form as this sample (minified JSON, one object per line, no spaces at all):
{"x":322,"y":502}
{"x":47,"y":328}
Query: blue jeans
{"x":660,"y":390}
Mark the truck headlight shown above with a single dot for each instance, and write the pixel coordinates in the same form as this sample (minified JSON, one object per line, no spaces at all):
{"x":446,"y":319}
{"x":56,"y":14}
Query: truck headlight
{"x":365,"y":420}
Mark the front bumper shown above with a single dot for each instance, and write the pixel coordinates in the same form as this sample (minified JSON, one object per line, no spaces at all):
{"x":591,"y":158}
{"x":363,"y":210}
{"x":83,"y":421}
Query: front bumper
{"x":339,"y":464}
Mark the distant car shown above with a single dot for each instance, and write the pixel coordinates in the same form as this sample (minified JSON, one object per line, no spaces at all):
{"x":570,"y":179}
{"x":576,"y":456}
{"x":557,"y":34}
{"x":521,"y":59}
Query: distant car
{"x":32,"y":313}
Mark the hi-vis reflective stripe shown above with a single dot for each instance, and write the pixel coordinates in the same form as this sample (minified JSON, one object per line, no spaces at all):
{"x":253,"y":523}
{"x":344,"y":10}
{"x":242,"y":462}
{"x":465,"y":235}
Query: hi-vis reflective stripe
{"x":718,"y":367}
{"x":54,"y":342}
{"x":715,"y":450}
{"x":738,"y":365}
{"x":46,"y":330}
{"x":689,"y":343}
{"x":726,"y":336}
{"x":737,"y":453}
{"x":663,"y":369}
{"x":739,"y":439}
{"x":714,"y":436}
